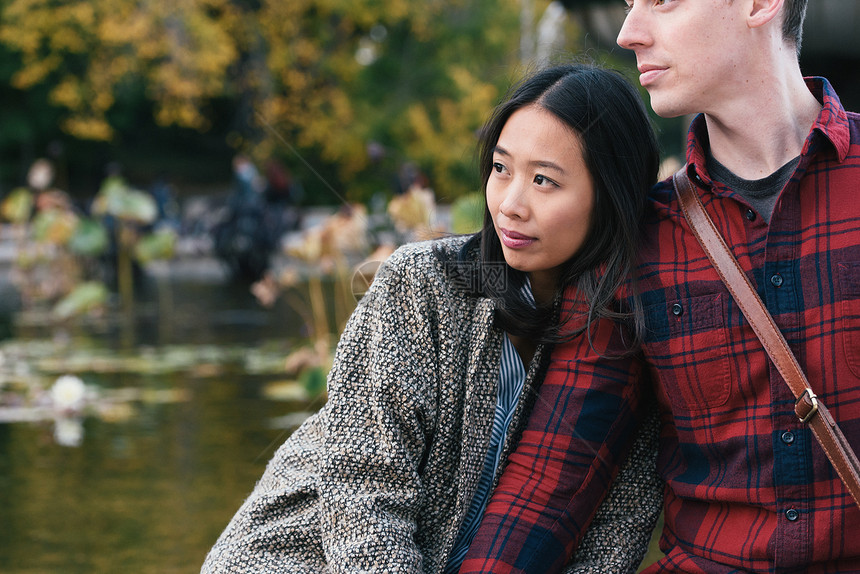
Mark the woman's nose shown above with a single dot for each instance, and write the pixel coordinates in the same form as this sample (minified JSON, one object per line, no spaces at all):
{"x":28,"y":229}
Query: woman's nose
{"x":514,"y":205}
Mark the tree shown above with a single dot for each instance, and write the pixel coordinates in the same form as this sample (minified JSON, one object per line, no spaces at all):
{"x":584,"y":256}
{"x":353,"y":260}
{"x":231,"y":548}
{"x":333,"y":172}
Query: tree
{"x":89,"y":51}
{"x":317,"y":82}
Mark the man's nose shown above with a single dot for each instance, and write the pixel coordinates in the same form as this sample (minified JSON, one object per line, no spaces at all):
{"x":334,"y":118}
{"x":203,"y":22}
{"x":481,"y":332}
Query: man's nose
{"x":633,"y":32}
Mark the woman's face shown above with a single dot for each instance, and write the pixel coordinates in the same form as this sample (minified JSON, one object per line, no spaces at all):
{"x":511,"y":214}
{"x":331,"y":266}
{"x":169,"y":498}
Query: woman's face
{"x":540,"y":194}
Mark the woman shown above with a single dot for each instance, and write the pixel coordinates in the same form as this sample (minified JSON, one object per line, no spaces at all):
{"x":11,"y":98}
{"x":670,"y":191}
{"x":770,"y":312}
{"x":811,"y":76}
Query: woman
{"x":438,"y":366}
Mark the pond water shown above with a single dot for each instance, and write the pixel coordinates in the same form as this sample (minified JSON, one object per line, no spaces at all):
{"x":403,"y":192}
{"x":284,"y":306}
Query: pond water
{"x":190,"y":396}
{"x":184,"y":431}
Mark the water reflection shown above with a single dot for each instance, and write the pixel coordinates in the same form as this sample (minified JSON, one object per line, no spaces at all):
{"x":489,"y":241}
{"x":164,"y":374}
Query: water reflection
{"x":190,"y":402}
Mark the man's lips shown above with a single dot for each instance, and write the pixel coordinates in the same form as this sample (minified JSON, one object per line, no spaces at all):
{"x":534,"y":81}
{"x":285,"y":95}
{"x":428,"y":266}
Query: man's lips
{"x":515,"y":240}
{"x":648,"y":73}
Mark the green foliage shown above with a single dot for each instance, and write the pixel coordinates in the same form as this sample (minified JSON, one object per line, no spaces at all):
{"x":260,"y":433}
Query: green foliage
{"x":18,"y":205}
{"x":313,"y":380}
{"x":467,"y":213}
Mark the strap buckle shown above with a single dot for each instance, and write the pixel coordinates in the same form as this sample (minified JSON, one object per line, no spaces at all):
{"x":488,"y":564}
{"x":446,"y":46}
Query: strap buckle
{"x":814,"y":400}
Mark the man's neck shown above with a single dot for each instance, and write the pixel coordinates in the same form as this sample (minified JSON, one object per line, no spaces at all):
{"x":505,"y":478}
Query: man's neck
{"x":765,"y":127}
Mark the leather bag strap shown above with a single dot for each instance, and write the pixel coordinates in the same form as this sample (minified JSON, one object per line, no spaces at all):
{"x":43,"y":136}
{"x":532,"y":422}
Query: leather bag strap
{"x":808,"y":408}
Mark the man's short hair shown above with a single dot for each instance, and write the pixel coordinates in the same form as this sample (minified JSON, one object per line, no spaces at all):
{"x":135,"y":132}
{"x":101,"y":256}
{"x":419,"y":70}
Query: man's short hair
{"x":792,"y":21}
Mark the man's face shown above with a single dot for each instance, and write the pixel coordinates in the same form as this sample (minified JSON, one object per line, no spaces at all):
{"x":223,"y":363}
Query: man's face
{"x":690,"y":53}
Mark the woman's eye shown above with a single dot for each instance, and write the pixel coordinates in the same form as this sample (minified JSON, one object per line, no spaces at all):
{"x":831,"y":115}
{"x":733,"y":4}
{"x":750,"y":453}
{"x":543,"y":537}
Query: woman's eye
{"x":498,"y":168}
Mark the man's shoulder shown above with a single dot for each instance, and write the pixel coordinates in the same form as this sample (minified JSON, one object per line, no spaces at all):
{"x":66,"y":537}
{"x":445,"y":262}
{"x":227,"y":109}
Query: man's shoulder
{"x":662,"y":192}
{"x":662,"y":204}
{"x":854,"y":127}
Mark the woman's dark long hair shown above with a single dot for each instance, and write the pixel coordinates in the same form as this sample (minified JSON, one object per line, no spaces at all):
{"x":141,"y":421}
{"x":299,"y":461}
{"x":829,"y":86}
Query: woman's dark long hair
{"x":620,"y":151}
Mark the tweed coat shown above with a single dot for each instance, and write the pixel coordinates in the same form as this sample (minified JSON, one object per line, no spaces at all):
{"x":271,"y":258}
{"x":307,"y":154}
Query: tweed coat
{"x":381,"y":477}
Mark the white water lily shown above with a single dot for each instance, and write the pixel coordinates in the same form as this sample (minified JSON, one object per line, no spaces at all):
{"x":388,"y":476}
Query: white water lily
{"x":68,"y":431}
{"x":68,"y":393}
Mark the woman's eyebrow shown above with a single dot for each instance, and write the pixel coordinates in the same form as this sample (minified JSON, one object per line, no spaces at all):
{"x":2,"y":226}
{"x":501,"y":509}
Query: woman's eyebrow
{"x":548,"y":165}
{"x":539,"y":163}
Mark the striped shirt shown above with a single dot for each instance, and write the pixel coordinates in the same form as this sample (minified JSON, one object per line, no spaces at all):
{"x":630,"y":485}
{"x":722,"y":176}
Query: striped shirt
{"x":747,"y":486}
{"x":512,"y":374}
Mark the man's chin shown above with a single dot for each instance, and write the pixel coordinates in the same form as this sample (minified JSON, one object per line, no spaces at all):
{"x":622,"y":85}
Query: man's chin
{"x":667,"y":107}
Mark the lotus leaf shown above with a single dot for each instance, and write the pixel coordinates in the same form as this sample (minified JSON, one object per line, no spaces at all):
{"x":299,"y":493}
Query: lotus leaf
{"x":109,"y":196}
{"x":84,"y":298}
{"x":158,"y":245}
{"x":139,"y":207}
{"x":116,"y":198}
{"x":90,"y":238}
{"x":55,"y":226}
{"x":18,"y":205}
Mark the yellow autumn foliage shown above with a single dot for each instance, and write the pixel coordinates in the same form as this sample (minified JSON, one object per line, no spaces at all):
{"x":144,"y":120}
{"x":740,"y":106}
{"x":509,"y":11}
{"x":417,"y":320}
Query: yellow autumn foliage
{"x":182,"y":49}
{"x":296,"y":66}
{"x":438,"y":135}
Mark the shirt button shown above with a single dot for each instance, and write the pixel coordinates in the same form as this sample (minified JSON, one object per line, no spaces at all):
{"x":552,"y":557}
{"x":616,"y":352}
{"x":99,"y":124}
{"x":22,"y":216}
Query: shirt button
{"x":677,"y":309}
{"x":792,"y":514}
{"x":787,"y":437}
{"x":750,"y":215}
{"x":776,"y":280}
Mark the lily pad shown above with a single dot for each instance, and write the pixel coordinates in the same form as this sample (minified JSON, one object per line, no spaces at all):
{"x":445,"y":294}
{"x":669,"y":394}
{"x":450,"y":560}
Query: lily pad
{"x":285,"y":391}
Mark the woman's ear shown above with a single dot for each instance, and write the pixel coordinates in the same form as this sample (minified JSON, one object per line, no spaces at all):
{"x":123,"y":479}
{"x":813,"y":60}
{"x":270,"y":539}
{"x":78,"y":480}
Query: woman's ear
{"x":762,"y":12}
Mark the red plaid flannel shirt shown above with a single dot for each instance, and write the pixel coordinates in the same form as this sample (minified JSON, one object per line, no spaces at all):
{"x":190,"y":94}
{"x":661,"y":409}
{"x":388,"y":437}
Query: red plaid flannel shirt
{"x":747,"y":486}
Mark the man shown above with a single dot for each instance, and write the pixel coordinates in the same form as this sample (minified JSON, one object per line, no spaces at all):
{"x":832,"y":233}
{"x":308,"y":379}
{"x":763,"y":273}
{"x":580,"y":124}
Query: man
{"x":776,"y":161}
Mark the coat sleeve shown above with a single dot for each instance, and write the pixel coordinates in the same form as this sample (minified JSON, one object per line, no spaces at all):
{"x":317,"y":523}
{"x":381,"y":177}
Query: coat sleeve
{"x":277,"y":527}
{"x":579,"y":432}
{"x":342,"y":493}
{"x":381,"y":398}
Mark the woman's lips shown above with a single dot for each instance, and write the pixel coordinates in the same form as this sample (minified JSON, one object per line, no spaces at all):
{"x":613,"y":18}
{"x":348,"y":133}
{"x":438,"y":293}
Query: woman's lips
{"x":515,"y":240}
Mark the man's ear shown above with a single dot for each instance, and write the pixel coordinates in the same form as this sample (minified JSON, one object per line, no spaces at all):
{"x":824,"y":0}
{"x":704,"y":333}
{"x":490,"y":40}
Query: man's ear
{"x":763,"y":11}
